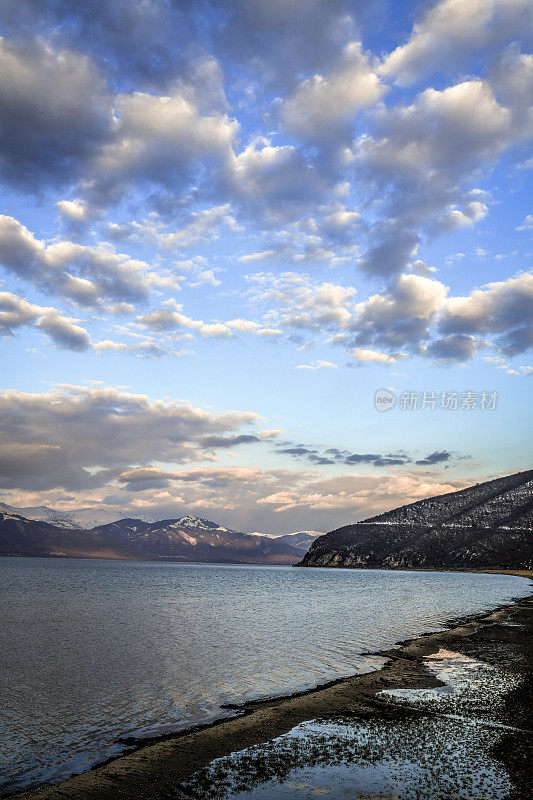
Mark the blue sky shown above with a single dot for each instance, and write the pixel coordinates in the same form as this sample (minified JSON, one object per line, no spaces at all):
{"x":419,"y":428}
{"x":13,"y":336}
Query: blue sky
{"x":227,"y":225}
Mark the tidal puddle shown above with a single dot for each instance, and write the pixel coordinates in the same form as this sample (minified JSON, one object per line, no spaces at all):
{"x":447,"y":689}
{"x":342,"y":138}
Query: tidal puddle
{"x":443,"y":754}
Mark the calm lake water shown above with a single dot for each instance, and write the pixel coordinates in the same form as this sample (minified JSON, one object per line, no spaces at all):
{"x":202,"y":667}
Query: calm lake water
{"x":92,"y":651}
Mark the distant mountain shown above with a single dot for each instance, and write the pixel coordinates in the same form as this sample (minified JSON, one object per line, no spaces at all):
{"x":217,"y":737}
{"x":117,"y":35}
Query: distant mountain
{"x":485,"y":526}
{"x":196,"y":539}
{"x":20,"y":536}
{"x":301,"y":540}
{"x":83,"y":518}
{"x":184,"y":539}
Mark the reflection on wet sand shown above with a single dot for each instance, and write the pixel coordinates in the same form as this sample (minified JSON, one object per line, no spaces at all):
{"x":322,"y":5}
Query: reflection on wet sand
{"x":440,"y":749}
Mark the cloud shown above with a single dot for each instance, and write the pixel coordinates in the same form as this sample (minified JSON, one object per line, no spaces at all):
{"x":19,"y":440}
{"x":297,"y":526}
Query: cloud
{"x":147,"y":349}
{"x":114,"y":34}
{"x":56,"y":113}
{"x":401,"y":316}
{"x":455,"y":348}
{"x":64,"y":332}
{"x":73,"y":210}
{"x":436,"y":457}
{"x":272,"y":180}
{"x":365,"y":356}
{"x":301,"y":303}
{"x":421,"y":155}
{"x":451,"y":32}
{"x":84,"y":274}
{"x":503,"y":309}
{"x":317,"y":365}
{"x":216,"y":330}
{"x":527,"y":224}
{"x":78,"y":437}
{"x":305,"y":35}
{"x":353,"y":497}
{"x":159,"y":140}
{"x":322,"y":108}
{"x":203,"y":226}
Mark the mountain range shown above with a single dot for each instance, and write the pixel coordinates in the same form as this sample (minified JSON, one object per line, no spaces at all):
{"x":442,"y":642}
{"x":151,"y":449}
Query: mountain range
{"x":487,"y":526}
{"x":51,"y":533}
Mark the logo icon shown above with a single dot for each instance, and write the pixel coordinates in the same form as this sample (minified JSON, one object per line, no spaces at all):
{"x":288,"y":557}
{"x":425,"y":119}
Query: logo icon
{"x":384,"y":400}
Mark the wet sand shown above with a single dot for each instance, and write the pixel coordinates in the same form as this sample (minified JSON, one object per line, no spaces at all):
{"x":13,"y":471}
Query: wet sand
{"x":156,"y":770}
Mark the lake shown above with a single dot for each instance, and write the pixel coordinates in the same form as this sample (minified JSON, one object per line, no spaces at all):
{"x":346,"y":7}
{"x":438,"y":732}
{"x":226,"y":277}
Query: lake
{"x":94,"y":651}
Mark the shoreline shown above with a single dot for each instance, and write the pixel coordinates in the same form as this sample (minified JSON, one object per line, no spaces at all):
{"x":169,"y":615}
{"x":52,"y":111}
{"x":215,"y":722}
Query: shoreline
{"x":152,"y":766}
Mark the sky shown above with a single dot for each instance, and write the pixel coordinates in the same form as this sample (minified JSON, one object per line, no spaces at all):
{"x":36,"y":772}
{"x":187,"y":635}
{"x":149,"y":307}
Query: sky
{"x":226,"y":225}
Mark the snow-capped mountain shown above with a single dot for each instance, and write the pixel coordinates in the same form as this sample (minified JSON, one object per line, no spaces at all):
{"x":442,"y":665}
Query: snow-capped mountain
{"x":302,"y":540}
{"x":83,"y":518}
{"x":186,"y":538}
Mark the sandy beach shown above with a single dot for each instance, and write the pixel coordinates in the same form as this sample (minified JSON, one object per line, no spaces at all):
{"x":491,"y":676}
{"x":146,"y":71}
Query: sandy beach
{"x":156,"y":769}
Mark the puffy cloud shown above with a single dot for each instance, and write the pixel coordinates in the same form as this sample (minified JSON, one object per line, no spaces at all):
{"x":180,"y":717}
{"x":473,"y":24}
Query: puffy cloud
{"x":503,"y":309}
{"x":147,"y":349}
{"x":115,"y":34}
{"x":452,"y":31}
{"x":159,"y":140}
{"x":400,"y":316}
{"x":455,"y":348}
{"x":101,"y":272}
{"x":203,"y":226}
{"x":270,"y":179}
{"x":305,"y":35}
{"x":56,"y":113}
{"x":302,"y":303}
{"x":78,"y":437}
{"x":394,"y":247}
{"x":63,"y":331}
{"x":16,"y":312}
{"x":471,"y":213}
{"x":375,"y":356}
{"x":73,"y":210}
{"x":243,"y":325}
{"x":421,"y":155}
{"x":215,"y":330}
{"x":272,"y":333}
{"x":168,"y":317}
{"x":354,"y":497}
{"x":322,"y":108}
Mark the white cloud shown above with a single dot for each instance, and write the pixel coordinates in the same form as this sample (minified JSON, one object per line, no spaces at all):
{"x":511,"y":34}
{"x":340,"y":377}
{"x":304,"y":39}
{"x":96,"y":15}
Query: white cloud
{"x":451,"y":32}
{"x":243,"y":325}
{"x":322,"y":108}
{"x":527,"y":224}
{"x":365,"y":356}
{"x":74,"y":210}
{"x":159,"y":140}
{"x":503,"y":309}
{"x":215,"y":330}
{"x":85,"y":274}
{"x":317,"y":365}
{"x":64,"y":332}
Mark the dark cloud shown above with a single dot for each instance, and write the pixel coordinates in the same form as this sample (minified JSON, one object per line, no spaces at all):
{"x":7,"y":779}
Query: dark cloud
{"x":335,"y":455}
{"x":143,"y":43}
{"x":56,"y":113}
{"x":77,"y":437}
{"x":456,"y":348}
{"x":435,"y":458}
